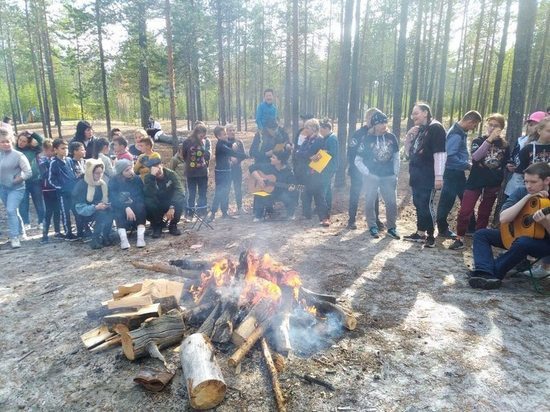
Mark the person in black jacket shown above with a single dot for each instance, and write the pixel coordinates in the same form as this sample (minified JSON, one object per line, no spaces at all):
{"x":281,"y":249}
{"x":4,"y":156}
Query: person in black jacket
{"x":85,"y":135}
{"x":164,"y":198}
{"x":283,"y":191}
{"x":128,"y":202}
{"x":236,"y":169}
{"x":224,"y":152}
{"x":269,"y":140}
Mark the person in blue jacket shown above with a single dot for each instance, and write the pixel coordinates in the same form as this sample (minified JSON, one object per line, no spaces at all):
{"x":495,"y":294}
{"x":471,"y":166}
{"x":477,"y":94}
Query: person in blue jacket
{"x":266,"y":110}
{"x":331,"y":146}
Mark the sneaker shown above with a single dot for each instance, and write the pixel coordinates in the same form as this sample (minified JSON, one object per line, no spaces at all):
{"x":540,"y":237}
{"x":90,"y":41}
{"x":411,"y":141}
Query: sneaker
{"x":71,"y":238}
{"x":374,"y":232}
{"x":457,"y":245}
{"x":352,"y":225}
{"x":211,"y":217}
{"x":44,"y":240}
{"x":325,"y":223}
{"x":448,"y":234}
{"x":27,"y":226}
{"x":40,"y":226}
{"x":59,"y":235}
{"x":15,"y":243}
{"x":380,"y":225}
{"x":481,"y":280}
{"x":174,"y":231}
{"x":392,"y":232}
{"x":430,"y":242}
{"x":96,"y":244}
{"x":256,"y":220}
{"x":415,"y":237}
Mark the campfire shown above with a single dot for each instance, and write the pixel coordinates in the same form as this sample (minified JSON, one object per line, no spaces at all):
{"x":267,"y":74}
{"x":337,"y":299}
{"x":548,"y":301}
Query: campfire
{"x":230,"y":304}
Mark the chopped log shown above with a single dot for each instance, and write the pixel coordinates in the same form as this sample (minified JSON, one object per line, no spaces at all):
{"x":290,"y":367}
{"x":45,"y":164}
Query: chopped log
{"x":167,"y":304}
{"x":196,"y":315}
{"x":152,"y":379}
{"x":223,"y":328}
{"x":124,"y":290}
{"x":241,"y":352}
{"x":310,"y":295}
{"x":202,"y":374}
{"x":208,"y":325}
{"x":96,"y":336}
{"x":279,"y":361}
{"x":279,"y":398}
{"x":190,"y":264}
{"x":259,"y":313}
{"x":109,"y":343}
{"x":153,"y":336}
{"x":347,"y":318}
{"x":133,"y":319}
{"x":280,"y":333}
{"x":130,"y":301}
{"x":161,"y":288}
{"x":168,"y":269}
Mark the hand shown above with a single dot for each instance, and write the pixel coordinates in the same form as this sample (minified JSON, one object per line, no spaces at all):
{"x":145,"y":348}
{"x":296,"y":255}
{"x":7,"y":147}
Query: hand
{"x":316,"y":157}
{"x":494,"y":134}
{"x":269,"y":153}
{"x":101,"y":206}
{"x":511,"y":167}
{"x":169,"y":215}
{"x":538,"y":216}
{"x":130,"y":215}
{"x":232,"y":160}
{"x":289,"y":146}
{"x":17,"y":180}
{"x":542,"y":193}
{"x":438,"y":184}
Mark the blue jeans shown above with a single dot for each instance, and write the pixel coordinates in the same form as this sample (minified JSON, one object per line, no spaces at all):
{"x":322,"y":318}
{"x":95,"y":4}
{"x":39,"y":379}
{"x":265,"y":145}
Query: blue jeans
{"x":454,"y":182}
{"x":520,"y":249}
{"x":12,"y":199}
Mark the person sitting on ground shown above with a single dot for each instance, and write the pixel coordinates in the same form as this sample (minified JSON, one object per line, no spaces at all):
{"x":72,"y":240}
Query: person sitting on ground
{"x":120,"y":149}
{"x":14,"y":170}
{"x":282,"y":192}
{"x":30,"y":144}
{"x":224,"y":153}
{"x":101,"y":152}
{"x":127,"y":203}
{"x":164,"y":198}
{"x":196,"y":154}
{"x":85,"y":135}
{"x":267,"y":141}
{"x":62,"y":177}
{"x":314,"y":189}
{"x":454,"y":177}
{"x":91,"y":202}
{"x":488,"y":272}
{"x":378,"y":161}
{"x":147,"y":145}
{"x":266,"y":110}
{"x":490,"y":153}
{"x":531,"y":135}
{"x":135,"y":149}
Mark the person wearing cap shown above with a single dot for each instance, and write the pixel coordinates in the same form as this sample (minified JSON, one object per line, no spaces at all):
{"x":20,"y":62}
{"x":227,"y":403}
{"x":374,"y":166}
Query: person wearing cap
{"x":127,"y":202}
{"x":91,"y":202}
{"x":378,"y":161}
{"x":267,"y":141}
{"x":516,"y":179}
{"x":164,"y":198}
{"x":454,"y":176}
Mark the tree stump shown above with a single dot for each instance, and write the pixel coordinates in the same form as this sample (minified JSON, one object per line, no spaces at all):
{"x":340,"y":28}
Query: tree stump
{"x":203,"y":376}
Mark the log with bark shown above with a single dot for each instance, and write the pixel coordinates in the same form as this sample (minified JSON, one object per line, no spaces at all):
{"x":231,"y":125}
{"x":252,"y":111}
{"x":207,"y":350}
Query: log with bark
{"x":208,"y":325}
{"x":196,"y":315}
{"x":133,"y":319}
{"x":202,"y":374}
{"x":223,"y":328}
{"x":279,"y":398}
{"x":242,"y":350}
{"x":256,"y":316}
{"x":152,"y":336}
{"x":188,"y":275}
{"x":346,"y":317}
{"x":186,"y":264}
{"x":310,"y":295}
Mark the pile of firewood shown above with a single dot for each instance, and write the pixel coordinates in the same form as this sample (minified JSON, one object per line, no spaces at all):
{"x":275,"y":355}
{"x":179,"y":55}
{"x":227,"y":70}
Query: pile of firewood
{"x":227,"y":303}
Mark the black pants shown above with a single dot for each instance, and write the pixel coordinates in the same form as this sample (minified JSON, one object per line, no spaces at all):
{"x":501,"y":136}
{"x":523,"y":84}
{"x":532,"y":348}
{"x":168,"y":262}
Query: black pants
{"x":315,"y":190}
{"x":263,"y":203}
{"x":123,"y":223}
{"x":51,"y":206}
{"x":195,"y":184}
{"x":237,"y":181}
{"x":66,"y":208}
{"x":156,"y":215}
{"x":423,"y":200}
{"x":103,"y":220}
{"x":223,"y":186}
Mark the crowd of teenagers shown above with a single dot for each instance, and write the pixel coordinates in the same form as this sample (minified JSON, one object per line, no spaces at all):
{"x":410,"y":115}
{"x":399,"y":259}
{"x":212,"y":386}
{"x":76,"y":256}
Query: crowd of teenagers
{"x":96,"y":182}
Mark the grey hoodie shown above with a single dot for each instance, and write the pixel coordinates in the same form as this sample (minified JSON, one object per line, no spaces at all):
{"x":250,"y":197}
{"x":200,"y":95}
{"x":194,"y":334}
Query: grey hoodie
{"x":13,"y":164}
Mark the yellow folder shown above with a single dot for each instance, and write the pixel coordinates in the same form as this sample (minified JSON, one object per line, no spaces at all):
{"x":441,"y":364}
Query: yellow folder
{"x":262,"y":194}
{"x":319,"y":165}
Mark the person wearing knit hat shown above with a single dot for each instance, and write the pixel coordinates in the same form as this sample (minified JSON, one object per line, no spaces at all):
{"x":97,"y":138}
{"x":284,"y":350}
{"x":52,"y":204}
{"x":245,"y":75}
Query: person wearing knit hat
{"x":127,"y":203}
{"x":91,"y":200}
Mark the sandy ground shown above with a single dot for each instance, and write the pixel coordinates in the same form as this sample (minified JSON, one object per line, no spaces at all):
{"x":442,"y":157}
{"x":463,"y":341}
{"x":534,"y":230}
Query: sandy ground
{"x":425,"y":340}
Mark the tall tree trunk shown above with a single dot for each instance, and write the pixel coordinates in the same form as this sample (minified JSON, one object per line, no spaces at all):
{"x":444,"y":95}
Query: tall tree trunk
{"x":327,"y":68}
{"x":355,"y":85}
{"x":288,"y":65}
{"x":295,"y":56}
{"x":18,"y":118}
{"x":400,"y":68}
{"x":538,"y":94}
{"x":99,"y":26}
{"x":416,"y":58}
{"x":458,"y":60}
{"x":238,"y":83}
{"x":8,"y":77}
{"x":343,"y":91}
{"x":522,"y":51}
{"x":49,"y":68}
{"x":35,"y":68}
{"x":501,"y":57}
{"x":221,"y":80}
{"x":470,"y":92}
{"x":305,"y":100}
{"x":79,"y":77}
{"x":171,"y":74}
{"x":245,"y":64}
{"x":42,"y":70}
{"x":443,"y":68}
{"x":144,"y":97}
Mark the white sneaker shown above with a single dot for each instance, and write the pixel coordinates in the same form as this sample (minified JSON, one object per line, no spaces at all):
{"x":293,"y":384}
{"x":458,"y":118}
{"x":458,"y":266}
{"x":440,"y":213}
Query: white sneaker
{"x":40,"y":226}
{"x":124,"y":244}
{"x":15,"y":243}
{"x":27,"y":227}
{"x":256,"y":220}
{"x":140,"y":236}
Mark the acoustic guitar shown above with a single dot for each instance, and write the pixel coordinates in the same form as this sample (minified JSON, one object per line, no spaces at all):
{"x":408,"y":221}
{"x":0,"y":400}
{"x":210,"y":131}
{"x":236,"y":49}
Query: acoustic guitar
{"x":260,"y":182}
{"x":523,"y":224}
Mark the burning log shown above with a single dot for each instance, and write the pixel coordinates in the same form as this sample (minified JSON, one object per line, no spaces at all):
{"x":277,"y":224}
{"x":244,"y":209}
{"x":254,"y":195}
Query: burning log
{"x":208,"y":325}
{"x":241,"y":352}
{"x":152,"y":336}
{"x":202,"y":374}
{"x":310,"y":295}
{"x":198,"y":314}
{"x":257,"y":315}
{"x":187,"y":264}
{"x":279,"y":398}
{"x":345,"y":316}
{"x":223,"y":328}
{"x":280,"y":334}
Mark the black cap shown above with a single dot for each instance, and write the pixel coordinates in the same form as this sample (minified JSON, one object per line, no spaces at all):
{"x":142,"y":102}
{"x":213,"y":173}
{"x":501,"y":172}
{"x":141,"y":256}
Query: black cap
{"x":155,"y":161}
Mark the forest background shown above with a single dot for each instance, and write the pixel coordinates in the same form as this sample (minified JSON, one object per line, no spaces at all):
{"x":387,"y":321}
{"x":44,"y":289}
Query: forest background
{"x":211,"y":59}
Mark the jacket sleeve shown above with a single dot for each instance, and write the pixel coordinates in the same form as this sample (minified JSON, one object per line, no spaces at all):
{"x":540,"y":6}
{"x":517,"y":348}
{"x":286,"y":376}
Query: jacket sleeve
{"x":259,"y":115}
{"x":255,"y":146}
{"x":25,"y":166}
{"x":150,"y":192}
{"x":361,"y":166}
{"x":452,"y":147}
